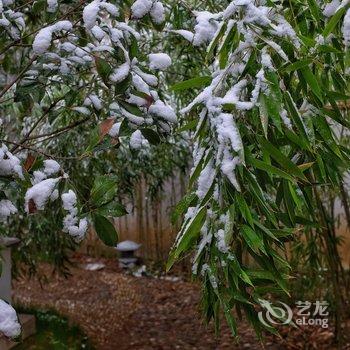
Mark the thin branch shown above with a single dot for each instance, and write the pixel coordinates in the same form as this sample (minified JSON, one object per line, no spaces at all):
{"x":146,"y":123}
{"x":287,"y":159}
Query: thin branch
{"x":19,"y":77}
{"x":60,"y":130}
{"x":29,"y":148}
{"x":26,"y":137}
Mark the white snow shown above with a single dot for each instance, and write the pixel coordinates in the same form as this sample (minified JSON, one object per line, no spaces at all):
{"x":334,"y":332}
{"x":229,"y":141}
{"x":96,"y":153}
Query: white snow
{"x":98,"y":33}
{"x":94,"y":266}
{"x":51,"y":167}
{"x":69,"y":201}
{"x":159,"y":61}
{"x":137,"y":141}
{"x":94,"y":100}
{"x":185,"y":34}
{"x":221,"y":244}
{"x":112,"y":9}
{"x":205,"y":28}
{"x":331,"y":8}
{"x":68,"y":47}
{"x":228,"y":131}
{"x":82,"y":110}
{"x":160,"y":109}
{"x":9,"y":325}
{"x":114,"y":131}
{"x":52,"y":5}
{"x":157,"y":13}
{"x":43,"y":39}
{"x":90,"y":13}
{"x":150,"y":79}
{"x":346,"y":29}
{"x":140,"y":8}
{"x":40,"y":193}
{"x":9,"y":164}
{"x":206,"y":179}
{"x":128,"y":246}
{"x":6,"y":209}
{"x":119,"y":74}
{"x":71,"y":223}
{"x":132,"y":118}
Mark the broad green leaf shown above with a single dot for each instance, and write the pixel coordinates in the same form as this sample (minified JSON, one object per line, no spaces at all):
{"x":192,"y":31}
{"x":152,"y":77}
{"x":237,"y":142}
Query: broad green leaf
{"x":103,"y":190}
{"x":151,"y":136}
{"x":131,"y":108}
{"x":105,"y":230}
{"x":112,"y":209}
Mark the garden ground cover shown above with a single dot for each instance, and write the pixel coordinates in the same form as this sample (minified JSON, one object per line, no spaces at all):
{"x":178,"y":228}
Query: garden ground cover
{"x":119,"y":311}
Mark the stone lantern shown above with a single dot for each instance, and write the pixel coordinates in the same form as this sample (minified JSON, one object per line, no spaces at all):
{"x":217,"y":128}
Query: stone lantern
{"x":127,"y":251}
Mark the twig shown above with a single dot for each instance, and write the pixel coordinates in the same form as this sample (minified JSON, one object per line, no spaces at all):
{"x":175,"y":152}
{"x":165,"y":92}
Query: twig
{"x":19,"y":76}
{"x":60,"y":130}
{"x":29,"y":148}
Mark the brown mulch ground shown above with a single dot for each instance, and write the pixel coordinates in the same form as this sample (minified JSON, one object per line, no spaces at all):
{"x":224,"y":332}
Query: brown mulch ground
{"x":119,"y":311}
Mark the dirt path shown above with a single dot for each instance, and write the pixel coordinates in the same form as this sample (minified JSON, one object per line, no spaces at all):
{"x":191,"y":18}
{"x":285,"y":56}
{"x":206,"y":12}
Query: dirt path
{"x":119,"y":311}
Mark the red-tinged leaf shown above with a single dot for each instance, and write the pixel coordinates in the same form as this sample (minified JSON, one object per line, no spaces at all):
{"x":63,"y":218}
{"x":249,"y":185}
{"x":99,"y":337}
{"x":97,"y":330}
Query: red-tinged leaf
{"x":29,"y":162}
{"x":105,"y":126}
{"x":149,"y":101}
{"x":32,"y":206}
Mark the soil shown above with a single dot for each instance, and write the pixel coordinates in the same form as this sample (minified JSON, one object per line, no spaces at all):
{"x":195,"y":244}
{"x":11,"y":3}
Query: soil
{"x":118,"y":311}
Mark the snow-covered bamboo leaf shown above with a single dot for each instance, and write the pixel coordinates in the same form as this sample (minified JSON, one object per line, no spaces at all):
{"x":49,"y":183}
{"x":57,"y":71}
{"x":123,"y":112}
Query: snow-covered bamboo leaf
{"x":188,"y":237}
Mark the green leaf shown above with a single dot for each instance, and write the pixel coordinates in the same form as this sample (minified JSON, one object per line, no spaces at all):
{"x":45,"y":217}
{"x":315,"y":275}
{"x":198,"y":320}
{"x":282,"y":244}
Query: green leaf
{"x":297,"y":65}
{"x":131,"y":108}
{"x":312,"y":82}
{"x":265,"y":230}
{"x":253,"y":240}
{"x":326,"y":133}
{"x":105,"y":230}
{"x":188,"y":237}
{"x":151,"y":136}
{"x":236,"y":267}
{"x":103,"y":69}
{"x":315,"y":9}
{"x":244,"y":209}
{"x":191,"y":83}
{"x":280,"y":158}
{"x":214,"y":42}
{"x":188,"y":200}
{"x":270,"y":169}
{"x":333,"y":21}
{"x":103,"y":190}
{"x":113,"y":209}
